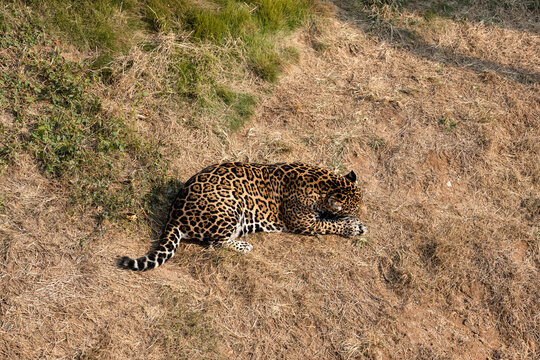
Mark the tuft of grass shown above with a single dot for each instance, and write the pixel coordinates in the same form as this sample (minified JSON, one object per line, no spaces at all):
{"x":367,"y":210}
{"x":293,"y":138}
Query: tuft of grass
{"x":102,"y":24}
{"x":429,"y":15}
{"x":267,"y":65}
{"x":233,"y":20}
{"x":279,"y":14}
{"x":291,"y":54}
{"x":192,"y":72}
{"x":264,"y":60}
{"x":360,"y":242}
{"x":162,"y":16}
{"x":241,"y":107}
{"x":227,"y":95}
{"x":376,"y":143}
{"x":244,"y":109}
{"x":447,"y":124}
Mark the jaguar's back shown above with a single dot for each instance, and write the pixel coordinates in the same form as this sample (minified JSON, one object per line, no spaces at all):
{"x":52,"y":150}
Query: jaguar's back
{"x":225,"y":201}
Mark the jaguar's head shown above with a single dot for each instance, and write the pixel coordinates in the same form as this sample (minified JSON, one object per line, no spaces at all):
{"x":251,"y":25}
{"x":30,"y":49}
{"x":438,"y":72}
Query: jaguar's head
{"x":345,"y":198}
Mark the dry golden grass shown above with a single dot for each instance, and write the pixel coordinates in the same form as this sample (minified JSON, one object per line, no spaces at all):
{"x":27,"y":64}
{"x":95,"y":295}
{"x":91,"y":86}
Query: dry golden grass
{"x":443,"y":131}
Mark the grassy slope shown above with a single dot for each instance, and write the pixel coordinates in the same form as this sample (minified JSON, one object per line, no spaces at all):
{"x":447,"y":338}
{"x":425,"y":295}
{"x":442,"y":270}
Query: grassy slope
{"x":106,"y":109}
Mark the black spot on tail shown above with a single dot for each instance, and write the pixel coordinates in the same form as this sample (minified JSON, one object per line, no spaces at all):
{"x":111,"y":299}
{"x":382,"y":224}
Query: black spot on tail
{"x":126,"y":263}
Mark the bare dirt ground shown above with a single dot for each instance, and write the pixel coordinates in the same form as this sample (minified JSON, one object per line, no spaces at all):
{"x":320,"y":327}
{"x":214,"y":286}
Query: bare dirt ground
{"x":442,"y":128}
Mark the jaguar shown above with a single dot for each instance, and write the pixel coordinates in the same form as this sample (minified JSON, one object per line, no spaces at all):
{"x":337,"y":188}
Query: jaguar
{"x":225,"y":201}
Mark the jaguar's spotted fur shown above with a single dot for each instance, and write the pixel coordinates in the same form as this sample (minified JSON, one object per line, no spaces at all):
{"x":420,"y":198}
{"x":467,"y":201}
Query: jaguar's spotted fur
{"x":223,"y":202}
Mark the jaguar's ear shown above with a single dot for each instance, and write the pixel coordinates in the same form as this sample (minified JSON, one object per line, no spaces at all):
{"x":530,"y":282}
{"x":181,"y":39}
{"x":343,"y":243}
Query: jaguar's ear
{"x":335,"y":204}
{"x":351,"y":176}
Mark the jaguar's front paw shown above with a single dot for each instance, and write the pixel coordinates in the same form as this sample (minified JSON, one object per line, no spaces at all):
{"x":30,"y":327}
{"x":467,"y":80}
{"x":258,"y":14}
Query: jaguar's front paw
{"x":353,"y":227}
{"x":236,"y":245}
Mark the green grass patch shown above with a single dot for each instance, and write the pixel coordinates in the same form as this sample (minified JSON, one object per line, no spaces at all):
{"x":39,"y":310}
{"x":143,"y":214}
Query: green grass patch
{"x":447,"y":124}
{"x":429,"y":15}
{"x":242,"y":111}
{"x":56,"y":118}
{"x":162,"y":16}
{"x":234,"y":19}
{"x":99,"y":24}
{"x":53,"y":108}
{"x":192,"y":73}
{"x":240,"y":107}
{"x":266,"y":64}
{"x":114,"y":26}
{"x":279,"y":14}
{"x":266,"y":60}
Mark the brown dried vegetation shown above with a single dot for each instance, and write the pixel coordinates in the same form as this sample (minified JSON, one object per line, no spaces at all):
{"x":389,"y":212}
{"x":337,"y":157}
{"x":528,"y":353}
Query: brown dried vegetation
{"x":439,"y":117}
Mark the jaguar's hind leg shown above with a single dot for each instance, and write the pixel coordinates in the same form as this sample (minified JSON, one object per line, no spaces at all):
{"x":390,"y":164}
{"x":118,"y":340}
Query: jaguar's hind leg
{"x":236,"y":245}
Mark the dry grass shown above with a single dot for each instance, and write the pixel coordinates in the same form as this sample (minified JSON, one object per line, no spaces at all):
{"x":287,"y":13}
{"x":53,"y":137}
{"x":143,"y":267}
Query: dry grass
{"x":443,"y":130}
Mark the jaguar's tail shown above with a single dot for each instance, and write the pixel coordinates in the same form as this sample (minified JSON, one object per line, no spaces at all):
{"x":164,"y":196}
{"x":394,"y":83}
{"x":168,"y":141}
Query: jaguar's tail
{"x":164,"y":250}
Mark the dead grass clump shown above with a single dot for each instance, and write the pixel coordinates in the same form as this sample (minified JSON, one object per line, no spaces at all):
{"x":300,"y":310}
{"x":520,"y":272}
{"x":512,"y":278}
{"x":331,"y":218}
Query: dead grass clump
{"x":394,"y":272}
